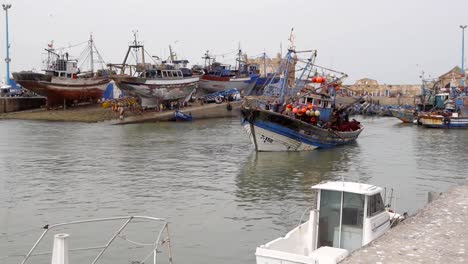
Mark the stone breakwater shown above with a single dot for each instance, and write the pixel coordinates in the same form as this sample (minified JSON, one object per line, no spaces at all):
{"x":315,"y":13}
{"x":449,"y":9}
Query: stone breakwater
{"x":436,"y":234}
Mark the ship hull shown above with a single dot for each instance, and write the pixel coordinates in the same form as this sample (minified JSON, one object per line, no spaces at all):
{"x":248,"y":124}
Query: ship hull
{"x":211,"y":84}
{"x":404,"y":116}
{"x":153,"y":92}
{"x":60,"y":91}
{"x":438,"y":121}
{"x":270,"y":131}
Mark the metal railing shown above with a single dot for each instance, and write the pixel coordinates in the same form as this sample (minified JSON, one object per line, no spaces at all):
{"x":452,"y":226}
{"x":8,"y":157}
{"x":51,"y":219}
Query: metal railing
{"x":127,"y":220}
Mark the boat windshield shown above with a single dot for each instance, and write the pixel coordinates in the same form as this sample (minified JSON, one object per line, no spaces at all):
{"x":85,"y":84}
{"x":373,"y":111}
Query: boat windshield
{"x":347,"y":207}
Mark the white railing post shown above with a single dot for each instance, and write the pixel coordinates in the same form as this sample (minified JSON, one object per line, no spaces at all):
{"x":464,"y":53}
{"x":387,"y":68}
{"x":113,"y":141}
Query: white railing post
{"x":60,"y":251}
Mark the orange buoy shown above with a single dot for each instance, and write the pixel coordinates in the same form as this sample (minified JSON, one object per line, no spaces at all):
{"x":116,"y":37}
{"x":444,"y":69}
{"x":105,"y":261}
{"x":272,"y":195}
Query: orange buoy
{"x":295,"y":110}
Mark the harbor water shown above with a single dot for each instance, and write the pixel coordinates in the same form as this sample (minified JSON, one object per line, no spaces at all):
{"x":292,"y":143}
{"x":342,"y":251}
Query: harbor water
{"x":221,"y":198}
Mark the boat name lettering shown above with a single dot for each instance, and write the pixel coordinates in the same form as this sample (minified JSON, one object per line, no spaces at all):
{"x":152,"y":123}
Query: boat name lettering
{"x":266,"y":139}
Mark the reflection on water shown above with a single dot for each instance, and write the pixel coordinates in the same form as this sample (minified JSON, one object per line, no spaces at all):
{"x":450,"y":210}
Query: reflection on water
{"x":221,"y":197}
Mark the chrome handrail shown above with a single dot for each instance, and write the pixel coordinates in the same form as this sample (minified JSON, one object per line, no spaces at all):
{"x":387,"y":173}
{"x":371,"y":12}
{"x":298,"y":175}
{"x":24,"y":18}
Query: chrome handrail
{"x":128,"y":220}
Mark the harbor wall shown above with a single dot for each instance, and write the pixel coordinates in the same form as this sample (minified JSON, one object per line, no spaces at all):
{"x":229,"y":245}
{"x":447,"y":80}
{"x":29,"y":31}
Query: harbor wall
{"x":13,"y":104}
{"x":382,"y":100}
{"x":436,"y":234}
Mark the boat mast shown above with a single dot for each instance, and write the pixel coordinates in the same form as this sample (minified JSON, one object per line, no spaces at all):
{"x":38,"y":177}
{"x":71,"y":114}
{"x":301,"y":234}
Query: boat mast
{"x":239,"y":54}
{"x":264,"y":64}
{"x":286,"y":71}
{"x":286,"y":76}
{"x":171,"y":54}
{"x":7,"y":60}
{"x":208,"y":58}
{"x":90,"y":43}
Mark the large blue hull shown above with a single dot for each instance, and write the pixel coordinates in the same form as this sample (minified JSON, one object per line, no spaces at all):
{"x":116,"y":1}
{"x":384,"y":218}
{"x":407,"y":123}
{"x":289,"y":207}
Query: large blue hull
{"x":271,"y":131}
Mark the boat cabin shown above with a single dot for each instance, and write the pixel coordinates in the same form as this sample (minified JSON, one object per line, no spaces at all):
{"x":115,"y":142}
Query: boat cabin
{"x":63,"y":68}
{"x":323,"y":104}
{"x":349,"y":215}
{"x":163,"y":74}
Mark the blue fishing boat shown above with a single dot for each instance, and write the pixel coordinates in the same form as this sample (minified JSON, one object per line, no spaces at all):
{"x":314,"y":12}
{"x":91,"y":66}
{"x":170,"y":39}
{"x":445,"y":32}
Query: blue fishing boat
{"x":310,"y":119}
{"x":181,"y":116}
{"x":234,"y":94}
{"x":405,"y":115}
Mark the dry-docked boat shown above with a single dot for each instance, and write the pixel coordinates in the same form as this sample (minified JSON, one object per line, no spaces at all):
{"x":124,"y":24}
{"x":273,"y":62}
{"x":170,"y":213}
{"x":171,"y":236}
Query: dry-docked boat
{"x":63,"y":82}
{"x":153,"y":84}
{"x":310,"y":120}
{"x":348,"y":215}
{"x":219,"y":77}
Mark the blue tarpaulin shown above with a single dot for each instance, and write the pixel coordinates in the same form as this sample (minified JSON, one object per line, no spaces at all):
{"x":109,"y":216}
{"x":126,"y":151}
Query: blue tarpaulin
{"x":112,"y":92}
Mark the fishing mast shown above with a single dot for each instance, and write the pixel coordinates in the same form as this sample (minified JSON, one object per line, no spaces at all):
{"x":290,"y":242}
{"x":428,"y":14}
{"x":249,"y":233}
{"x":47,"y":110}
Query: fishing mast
{"x":91,"y":53}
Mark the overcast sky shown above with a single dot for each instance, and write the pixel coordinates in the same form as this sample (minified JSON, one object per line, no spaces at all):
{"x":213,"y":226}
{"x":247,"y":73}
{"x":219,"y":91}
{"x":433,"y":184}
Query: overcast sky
{"x":390,"y":41}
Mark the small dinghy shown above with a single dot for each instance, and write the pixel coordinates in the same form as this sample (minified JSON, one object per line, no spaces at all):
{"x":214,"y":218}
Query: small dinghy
{"x":349,"y":215}
{"x":181,"y":116}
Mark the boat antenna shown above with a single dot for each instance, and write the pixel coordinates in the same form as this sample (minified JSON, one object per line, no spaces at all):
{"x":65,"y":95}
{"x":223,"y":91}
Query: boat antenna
{"x":291,"y":40}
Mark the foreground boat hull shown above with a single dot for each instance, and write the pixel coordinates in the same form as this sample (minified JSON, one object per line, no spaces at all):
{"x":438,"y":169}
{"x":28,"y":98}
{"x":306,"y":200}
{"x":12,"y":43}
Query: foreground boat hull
{"x":270,"y":131}
{"x":60,"y":90}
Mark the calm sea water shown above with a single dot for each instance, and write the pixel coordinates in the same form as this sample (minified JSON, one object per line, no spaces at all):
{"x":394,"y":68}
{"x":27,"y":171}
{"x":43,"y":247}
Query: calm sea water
{"x":222,"y":199}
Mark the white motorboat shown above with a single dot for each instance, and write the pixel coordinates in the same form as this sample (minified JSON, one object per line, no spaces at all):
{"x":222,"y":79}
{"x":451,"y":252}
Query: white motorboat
{"x":126,"y":242}
{"x":349,"y":215}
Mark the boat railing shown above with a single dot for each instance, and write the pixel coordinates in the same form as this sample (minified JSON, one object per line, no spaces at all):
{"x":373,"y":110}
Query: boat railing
{"x":155,"y":246}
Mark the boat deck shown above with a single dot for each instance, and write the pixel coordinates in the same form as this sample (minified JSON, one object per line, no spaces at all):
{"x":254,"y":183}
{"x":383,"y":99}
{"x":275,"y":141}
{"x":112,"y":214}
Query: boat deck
{"x":437,"y":234}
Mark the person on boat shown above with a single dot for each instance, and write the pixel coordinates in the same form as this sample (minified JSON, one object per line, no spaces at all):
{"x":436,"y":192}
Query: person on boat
{"x":229,"y":106}
{"x":276,"y":106}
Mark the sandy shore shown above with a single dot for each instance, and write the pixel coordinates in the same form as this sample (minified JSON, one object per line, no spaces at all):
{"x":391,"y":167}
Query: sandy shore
{"x":95,"y":113}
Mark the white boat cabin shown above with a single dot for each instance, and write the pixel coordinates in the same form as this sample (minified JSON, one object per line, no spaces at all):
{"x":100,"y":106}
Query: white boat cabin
{"x":63,"y":68}
{"x":348,"y":216}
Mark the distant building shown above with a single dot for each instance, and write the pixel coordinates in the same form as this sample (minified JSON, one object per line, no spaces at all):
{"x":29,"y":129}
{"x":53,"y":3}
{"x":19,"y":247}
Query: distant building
{"x":371,"y":87}
{"x":453,"y":74}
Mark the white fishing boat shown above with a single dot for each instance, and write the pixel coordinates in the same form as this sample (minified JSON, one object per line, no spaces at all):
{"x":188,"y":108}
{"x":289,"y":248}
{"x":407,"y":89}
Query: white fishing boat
{"x":349,"y":215}
{"x":120,"y":245}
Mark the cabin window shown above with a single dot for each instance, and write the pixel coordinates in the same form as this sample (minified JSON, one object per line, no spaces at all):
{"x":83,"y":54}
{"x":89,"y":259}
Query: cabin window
{"x":352,"y":221}
{"x":375,"y":205}
{"x":164,"y":74}
{"x":329,"y":219}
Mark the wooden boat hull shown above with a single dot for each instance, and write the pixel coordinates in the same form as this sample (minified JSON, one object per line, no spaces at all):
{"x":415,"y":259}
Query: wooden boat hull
{"x":63,"y":90}
{"x":212,"y":84}
{"x":153,"y":92}
{"x":270,"y":131}
{"x":438,"y":121}
{"x":404,"y":115}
